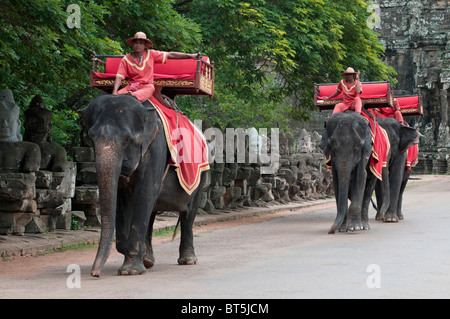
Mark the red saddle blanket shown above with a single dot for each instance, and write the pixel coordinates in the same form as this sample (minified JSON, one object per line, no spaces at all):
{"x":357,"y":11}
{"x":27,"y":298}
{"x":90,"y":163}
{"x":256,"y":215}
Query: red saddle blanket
{"x":187,"y":146}
{"x":413,"y":157}
{"x":380,"y":148}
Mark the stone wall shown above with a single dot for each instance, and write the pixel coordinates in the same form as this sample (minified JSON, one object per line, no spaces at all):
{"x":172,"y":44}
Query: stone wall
{"x":302,"y":175}
{"x":37,"y":182}
{"x":416,"y":35}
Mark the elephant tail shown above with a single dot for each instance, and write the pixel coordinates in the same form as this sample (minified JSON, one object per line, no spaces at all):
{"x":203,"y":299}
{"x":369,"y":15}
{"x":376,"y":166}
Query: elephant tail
{"x":374,"y":205}
{"x":176,"y":228}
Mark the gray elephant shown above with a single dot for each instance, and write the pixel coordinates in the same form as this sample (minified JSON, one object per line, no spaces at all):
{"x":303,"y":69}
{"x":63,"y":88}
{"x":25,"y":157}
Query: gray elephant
{"x":391,"y":189}
{"x":131,"y":161}
{"x":347,"y":139}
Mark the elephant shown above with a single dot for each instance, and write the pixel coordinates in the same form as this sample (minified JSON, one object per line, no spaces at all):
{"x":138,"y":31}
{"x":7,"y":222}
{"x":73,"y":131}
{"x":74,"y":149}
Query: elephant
{"x":135,"y":182}
{"x":347,"y":139}
{"x":391,"y":188}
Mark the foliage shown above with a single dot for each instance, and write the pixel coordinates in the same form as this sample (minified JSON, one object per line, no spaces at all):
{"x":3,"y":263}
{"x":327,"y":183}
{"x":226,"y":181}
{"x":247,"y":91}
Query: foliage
{"x":266,"y":52}
{"x":303,"y":41}
{"x":228,"y":109}
{"x":41,"y":54}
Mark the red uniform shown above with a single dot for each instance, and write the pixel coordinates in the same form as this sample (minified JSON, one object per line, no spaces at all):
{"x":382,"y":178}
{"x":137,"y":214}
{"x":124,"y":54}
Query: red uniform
{"x":352,"y":100}
{"x":140,"y":73}
{"x":385,"y":112}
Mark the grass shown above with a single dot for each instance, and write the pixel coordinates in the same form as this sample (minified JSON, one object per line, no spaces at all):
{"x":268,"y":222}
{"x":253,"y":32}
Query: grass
{"x":167,"y":232}
{"x":64,"y":247}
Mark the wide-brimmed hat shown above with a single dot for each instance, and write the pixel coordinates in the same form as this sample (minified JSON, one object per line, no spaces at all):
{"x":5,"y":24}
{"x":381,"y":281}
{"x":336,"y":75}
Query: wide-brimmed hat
{"x":348,"y":71}
{"x":140,"y":36}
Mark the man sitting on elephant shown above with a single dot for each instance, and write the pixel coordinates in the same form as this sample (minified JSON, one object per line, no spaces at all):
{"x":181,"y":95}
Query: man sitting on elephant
{"x":387,"y":112}
{"x":138,"y":67}
{"x":351,"y":88}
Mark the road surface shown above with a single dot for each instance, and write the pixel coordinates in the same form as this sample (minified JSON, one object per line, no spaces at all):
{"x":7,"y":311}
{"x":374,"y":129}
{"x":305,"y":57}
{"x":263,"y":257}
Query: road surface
{"x":290,"y":256}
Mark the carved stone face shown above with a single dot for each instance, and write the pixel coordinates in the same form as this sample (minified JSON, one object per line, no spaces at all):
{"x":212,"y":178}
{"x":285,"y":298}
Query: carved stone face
{"x":9,"y":127}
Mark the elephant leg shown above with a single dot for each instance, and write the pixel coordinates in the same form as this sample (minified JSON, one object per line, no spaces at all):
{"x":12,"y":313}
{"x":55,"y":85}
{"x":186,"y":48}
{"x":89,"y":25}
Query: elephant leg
{"x":370,"y":186}
{"x":406,"y":175}
{"x":135,"y":246}
{"x":385,"y":194}
{"x":186,"y":249}
{"x":124,"y":214}
{"x":357,"y":195}
{"x":395,"y":182}
{"x":149,"y":258}
{"x":341,"y":195}
{"x":143,"y":203}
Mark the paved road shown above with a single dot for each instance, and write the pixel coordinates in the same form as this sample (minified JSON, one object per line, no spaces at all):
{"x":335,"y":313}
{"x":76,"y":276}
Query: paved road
{"x":287,"y":257}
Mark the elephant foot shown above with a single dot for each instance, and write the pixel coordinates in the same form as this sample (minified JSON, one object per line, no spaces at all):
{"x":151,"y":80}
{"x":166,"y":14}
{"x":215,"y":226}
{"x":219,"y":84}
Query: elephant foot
{"x":190,"y":259}
{"x":132,"y":268}
{"x":187,"y":261}
{"x":354,"y":225}
{"x":365,"y":226}
{"x":379,"y":217}
{"x":400,"y":217}
{"x":130,"y":273}
{"x":149,"y":262}
{"x":390,"y":219}
{"x":343,"y":228}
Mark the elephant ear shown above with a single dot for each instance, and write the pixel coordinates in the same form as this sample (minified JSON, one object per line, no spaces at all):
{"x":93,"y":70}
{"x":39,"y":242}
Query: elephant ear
{"x":408,"y":137}
{"x":324,"y":144}
{"x":358,"y":138}
{"x":150,"y":129}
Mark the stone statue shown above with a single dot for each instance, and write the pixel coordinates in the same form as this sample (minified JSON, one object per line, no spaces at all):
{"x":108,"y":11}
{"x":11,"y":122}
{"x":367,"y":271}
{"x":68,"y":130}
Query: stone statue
{"x":305,"y":145}
{"x":15,"y":155}
{"x":38,"y":122}
{"x":9,"y":118}
{"x":18,"y":163}
{"x":38,"y":129}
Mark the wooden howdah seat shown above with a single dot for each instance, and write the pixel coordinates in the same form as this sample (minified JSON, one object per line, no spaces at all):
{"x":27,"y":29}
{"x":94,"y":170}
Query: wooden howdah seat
{"x":410,"y":105}
{"x":174,"y":77}
{"x":374,"y":94}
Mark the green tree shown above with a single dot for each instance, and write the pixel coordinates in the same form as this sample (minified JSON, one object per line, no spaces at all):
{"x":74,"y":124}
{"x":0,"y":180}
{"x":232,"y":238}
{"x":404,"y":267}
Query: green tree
{"x":41,"y":53}
{"x":301,"y":41}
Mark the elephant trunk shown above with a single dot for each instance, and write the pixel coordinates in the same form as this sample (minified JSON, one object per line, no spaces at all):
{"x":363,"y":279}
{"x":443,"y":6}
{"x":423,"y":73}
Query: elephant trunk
{"x":342,"y":201}
{"x":108,"y":165}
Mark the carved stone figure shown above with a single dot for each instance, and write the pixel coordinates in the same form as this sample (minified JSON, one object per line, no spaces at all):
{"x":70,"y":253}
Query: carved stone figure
{"x":18,"y":163}
{"x":9,"y":118}
{"x":15,"y":155}
{"x":38,"y":129}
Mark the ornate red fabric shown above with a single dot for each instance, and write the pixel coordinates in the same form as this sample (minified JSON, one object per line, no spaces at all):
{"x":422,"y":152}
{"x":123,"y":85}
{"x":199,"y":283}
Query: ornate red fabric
{"x":380,"y":148}
{"x":373,"y":90}
{"x":187,"y":146}
{"x":175,"y":69}
{"x":412,"y":157}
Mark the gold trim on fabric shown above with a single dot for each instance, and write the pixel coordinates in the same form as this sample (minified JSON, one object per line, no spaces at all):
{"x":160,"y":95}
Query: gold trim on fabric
{"x":345,"y":86}
{"x":202,"y":167}
{"x":137,"y":66}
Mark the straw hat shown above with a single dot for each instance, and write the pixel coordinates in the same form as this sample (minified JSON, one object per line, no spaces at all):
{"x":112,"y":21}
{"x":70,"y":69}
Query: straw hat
{"x":140,"y":36}
{"x":348,"y":71}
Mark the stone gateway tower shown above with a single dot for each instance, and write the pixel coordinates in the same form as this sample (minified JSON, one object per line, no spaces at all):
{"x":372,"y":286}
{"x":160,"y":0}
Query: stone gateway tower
{"x":416,"y":35}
